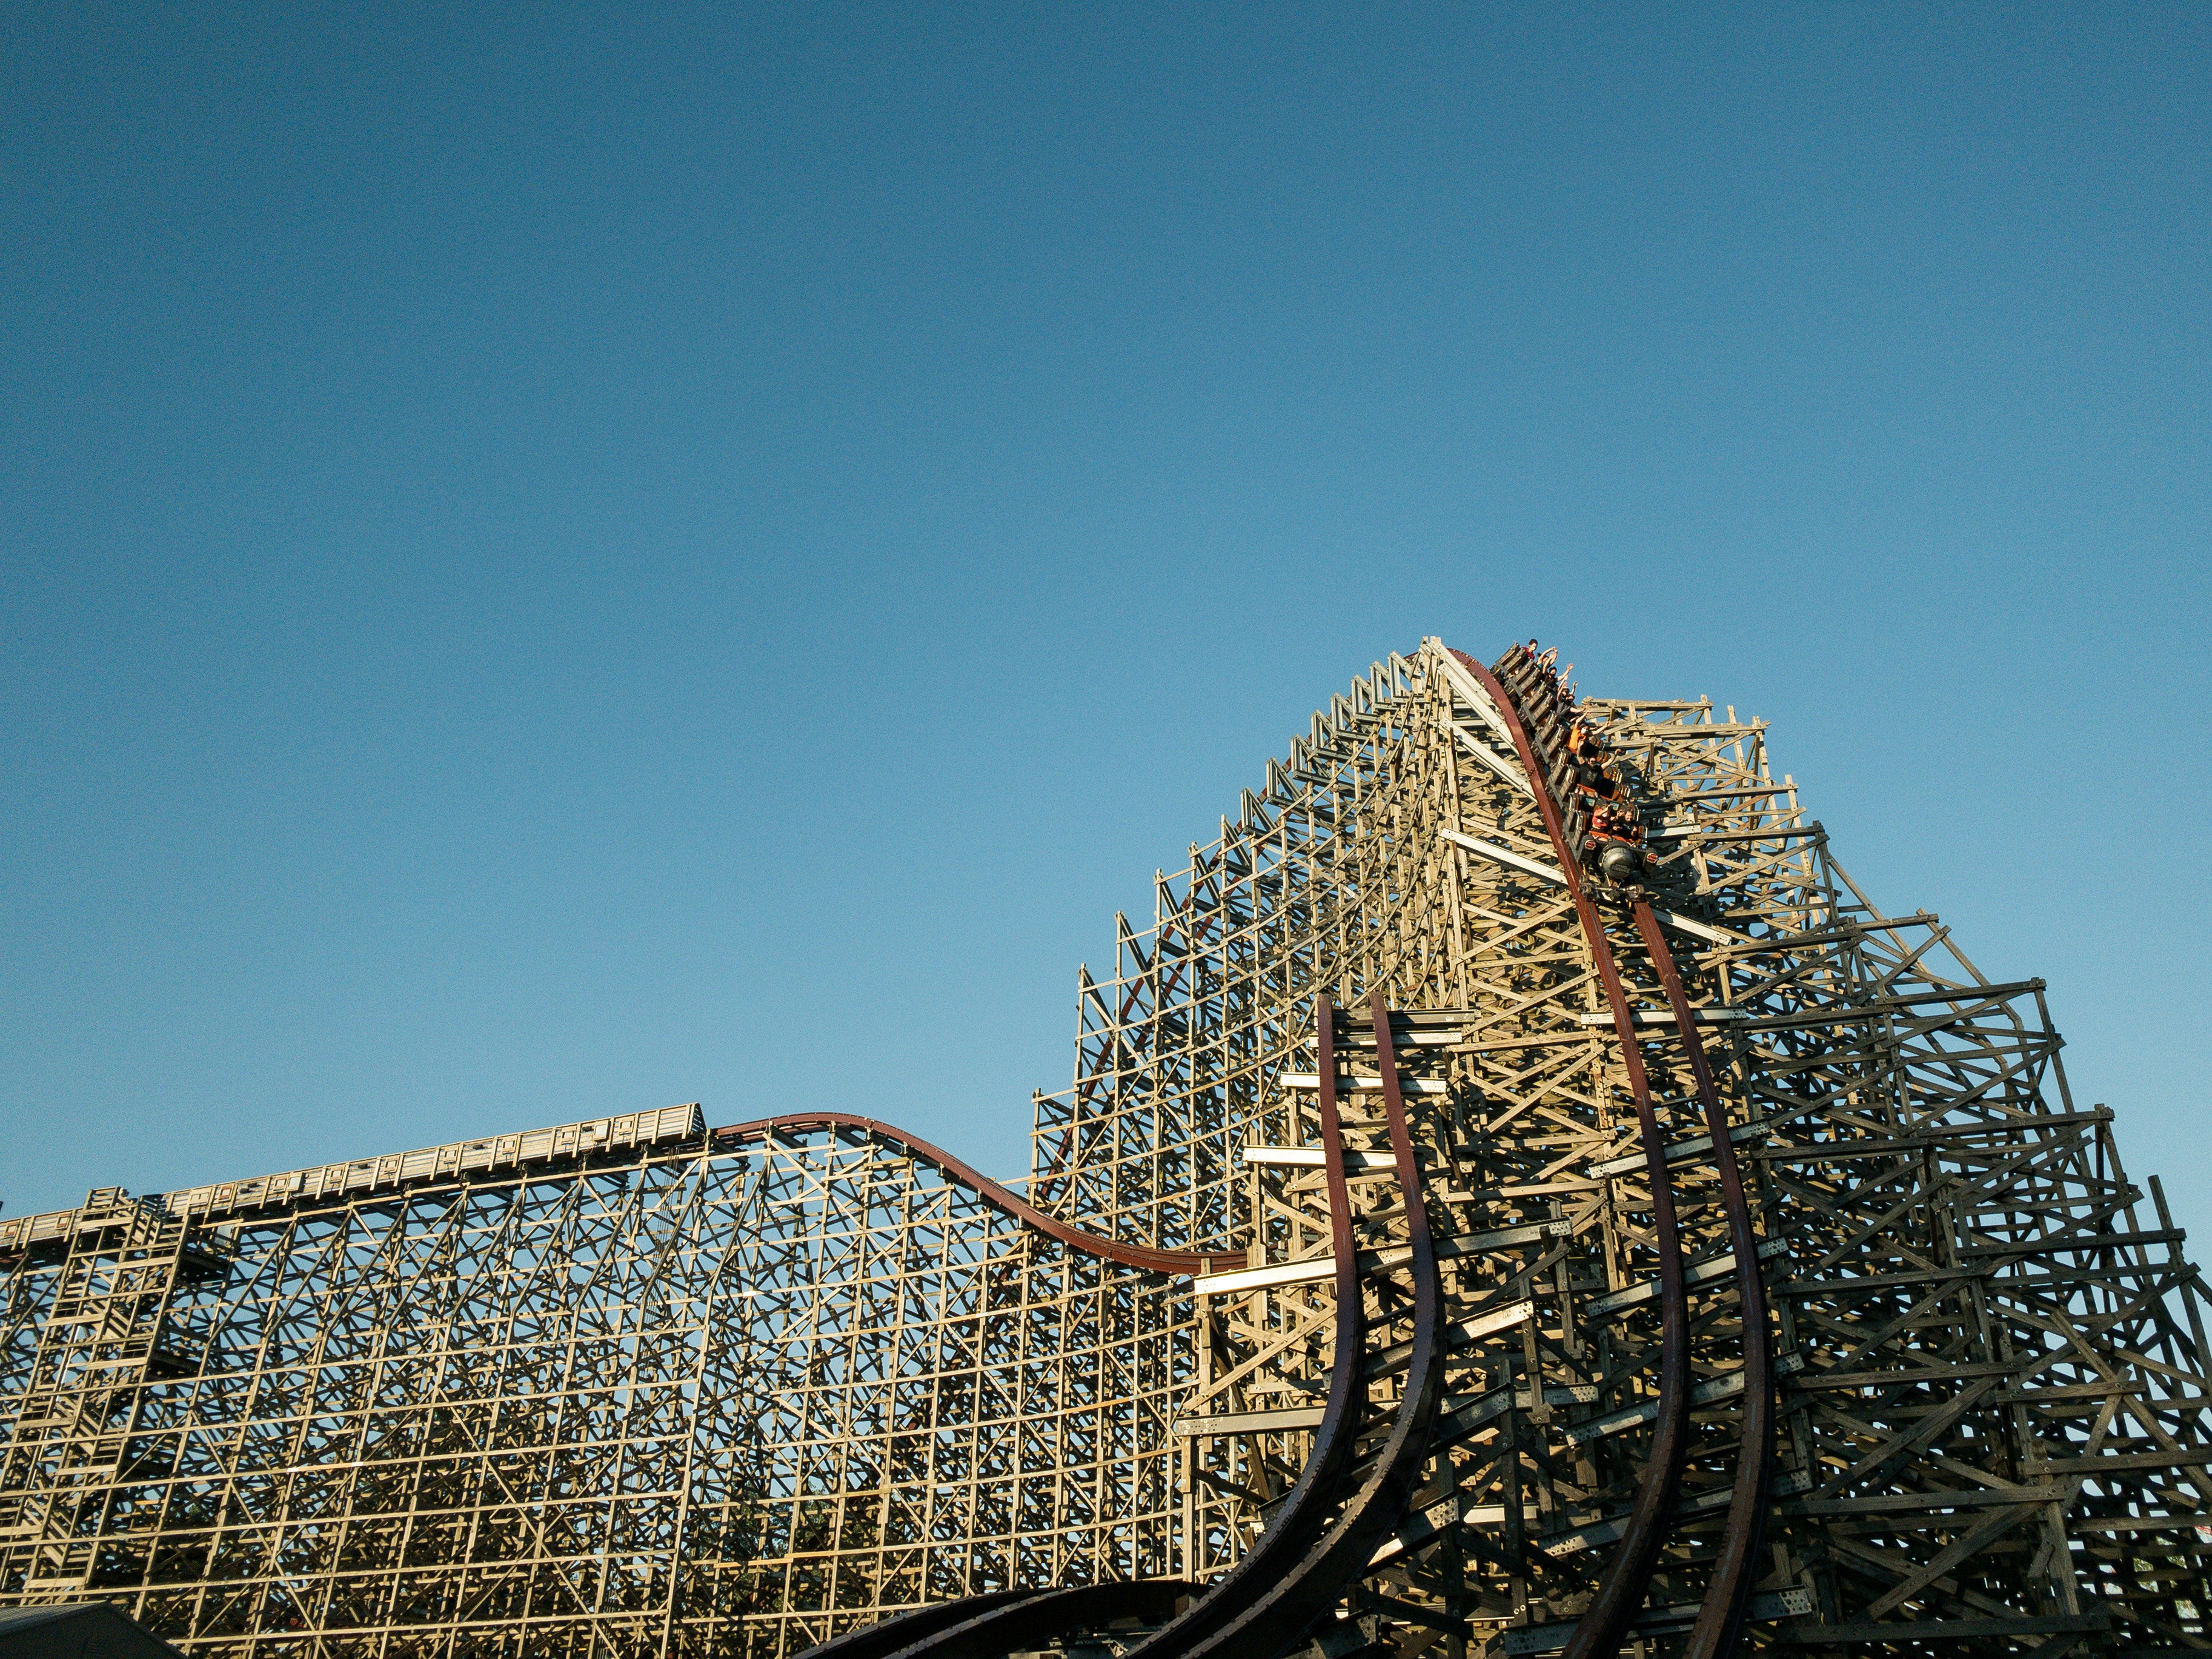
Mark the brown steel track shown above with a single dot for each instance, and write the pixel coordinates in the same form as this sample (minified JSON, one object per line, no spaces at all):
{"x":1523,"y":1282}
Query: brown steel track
{"x":1727,"y":1595}
{"x":1735,"y":1569}
{"x":1004,"y":1198}
{"x":1321,"y":1539}
{"x":1003,"y":1620}
{"x":1256,"y":1615}
{"x":1034,"y":1619}
{"x":887,"y":1637}
{"x":1621,"y":1593}
{"x":1305,"y":1508}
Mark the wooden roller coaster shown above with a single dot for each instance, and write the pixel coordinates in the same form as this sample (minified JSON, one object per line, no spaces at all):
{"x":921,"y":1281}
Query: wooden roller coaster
{"x":1673,"y":1255}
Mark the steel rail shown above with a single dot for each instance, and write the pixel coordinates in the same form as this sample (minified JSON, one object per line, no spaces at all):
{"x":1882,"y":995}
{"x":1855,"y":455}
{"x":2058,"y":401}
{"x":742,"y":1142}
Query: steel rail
{"x":1038,"y":1617}
{"x":980,"y":1627}
{"x":1603,"y":1624}
{"x":1284,"y":1610}
{"x":1178,"y":1263}
{"x":901,"y":1630}
{"x":1727,"y":1592}
{"x":1306,"y":1509}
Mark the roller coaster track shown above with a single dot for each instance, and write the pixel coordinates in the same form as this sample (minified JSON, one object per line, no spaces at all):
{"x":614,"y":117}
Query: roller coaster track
{"x":887,"y":1637}
{"x":1302,"y":1339}
{"x":1323,"y":1537}
{"x":1001,"y":1198}
{"x":1720,"y":1617}
{"x":1326,"y":1529}
{"x":1620,"y":1594}
{"x":1538,"y":731}
{"x":1252,"y":1614}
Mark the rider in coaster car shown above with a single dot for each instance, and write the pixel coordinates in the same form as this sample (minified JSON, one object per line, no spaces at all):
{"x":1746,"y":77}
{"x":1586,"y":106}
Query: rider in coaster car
{"x":1611,"y":846}
{"x":1595,"y":778}
{"x":1616,"y":821}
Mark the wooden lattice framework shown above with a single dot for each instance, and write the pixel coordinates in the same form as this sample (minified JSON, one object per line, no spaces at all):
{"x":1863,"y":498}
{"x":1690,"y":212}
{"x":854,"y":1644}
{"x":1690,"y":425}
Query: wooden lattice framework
{"x":641,"y":1387}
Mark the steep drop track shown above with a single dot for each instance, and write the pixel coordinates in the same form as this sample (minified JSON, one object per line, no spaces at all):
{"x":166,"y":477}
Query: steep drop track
{"x":1352,"y":1495}
{"x":1621,"y":1593}
{"x":1261,"y":1613}
{"x":1358,"y":1482}
{"x":1537,"y":715}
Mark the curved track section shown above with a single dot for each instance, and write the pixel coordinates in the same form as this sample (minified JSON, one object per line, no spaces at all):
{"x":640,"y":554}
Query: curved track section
{"x":1180,"y":1263}
{"x":1029,"y":1621}
{"x":1002,"y":1621}
{"x":1727,"y":1592}
{"x":1721,"y":1615}
{"x":1344,"y":1505}
{"x":1259,"y":1625}
{"x":1275,"y":1558}
{"x":889,"y":1635}
{"x":1620,"y":1594}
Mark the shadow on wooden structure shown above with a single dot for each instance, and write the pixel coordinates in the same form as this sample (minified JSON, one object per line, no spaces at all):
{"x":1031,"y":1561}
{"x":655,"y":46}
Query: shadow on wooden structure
{"x":1516,"y":1195}
{"x":75,"y":1630}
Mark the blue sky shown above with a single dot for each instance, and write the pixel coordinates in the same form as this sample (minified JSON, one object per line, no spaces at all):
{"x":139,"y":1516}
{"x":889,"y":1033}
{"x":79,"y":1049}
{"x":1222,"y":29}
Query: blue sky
{"x":577,"y":559}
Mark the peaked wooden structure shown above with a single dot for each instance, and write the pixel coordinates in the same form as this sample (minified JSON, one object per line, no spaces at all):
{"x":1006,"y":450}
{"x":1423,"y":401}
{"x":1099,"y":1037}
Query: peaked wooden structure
{"x":1443,"y":1245}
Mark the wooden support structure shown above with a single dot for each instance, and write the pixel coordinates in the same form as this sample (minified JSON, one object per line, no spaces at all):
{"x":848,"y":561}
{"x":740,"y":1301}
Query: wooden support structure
{"x":1710,"y":1263}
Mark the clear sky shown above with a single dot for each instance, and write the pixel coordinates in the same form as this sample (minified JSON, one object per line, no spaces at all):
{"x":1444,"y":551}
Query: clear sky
{"x":594,"y":558}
